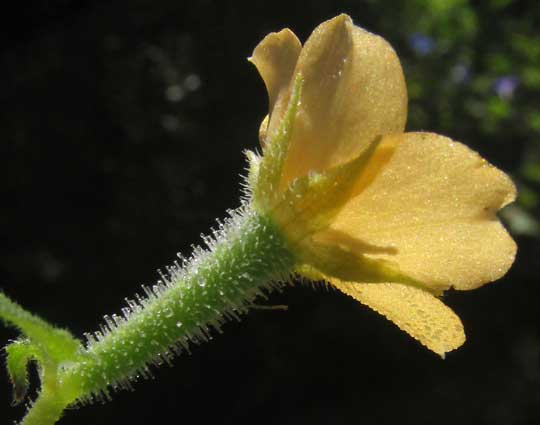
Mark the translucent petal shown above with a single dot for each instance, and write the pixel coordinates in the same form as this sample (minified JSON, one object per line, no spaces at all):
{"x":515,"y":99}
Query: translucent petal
{"x":275,"y":58}
{"x":353,"y":91}
{"x":413,"y":310}
{"x":334,"y":261}
{"x":435,"y":203}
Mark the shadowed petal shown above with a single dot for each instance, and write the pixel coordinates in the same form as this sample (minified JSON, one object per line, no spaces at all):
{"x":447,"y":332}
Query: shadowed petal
{"x":435,"y":202}
{"x":413,"y":310}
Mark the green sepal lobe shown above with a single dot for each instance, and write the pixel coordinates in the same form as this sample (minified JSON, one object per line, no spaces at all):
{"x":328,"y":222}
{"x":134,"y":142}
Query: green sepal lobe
{"x":265,"y":186}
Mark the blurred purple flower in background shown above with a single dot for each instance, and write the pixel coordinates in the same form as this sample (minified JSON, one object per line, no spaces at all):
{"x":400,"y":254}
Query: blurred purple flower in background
{"x":505,"y":86}
{"x":421,"y":44}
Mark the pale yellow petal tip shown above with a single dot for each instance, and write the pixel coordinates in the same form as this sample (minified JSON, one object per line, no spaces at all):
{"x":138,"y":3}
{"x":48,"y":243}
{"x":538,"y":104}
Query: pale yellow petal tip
{"x":440,"y":334}
{"x":342,"y":19}
{"x":423,"y":316}
{"x":275,"y":51}
{"x":273,"y":39}
{"x":445,"y":343}
{"x":275,"y":58}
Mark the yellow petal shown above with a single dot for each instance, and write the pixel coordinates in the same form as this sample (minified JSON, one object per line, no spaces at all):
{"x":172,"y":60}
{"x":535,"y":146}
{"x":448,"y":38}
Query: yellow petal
{"x":435,"y":203}
{"x":275,"y":58}
{"x":353,"y":91}
{"x":262,"y":130}
{"x":413,"y":310}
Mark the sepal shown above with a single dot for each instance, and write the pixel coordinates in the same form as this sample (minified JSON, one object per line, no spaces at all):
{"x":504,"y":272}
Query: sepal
{"x":265,"y":188}
{"x":310,"y":203}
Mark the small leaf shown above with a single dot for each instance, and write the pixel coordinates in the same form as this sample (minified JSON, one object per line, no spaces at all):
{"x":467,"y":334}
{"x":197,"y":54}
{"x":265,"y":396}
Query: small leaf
{"x":56,"y":344}
{"x":19,"y":353}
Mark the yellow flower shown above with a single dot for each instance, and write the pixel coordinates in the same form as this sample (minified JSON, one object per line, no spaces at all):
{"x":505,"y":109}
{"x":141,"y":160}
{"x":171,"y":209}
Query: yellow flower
{"x":390,"y":218}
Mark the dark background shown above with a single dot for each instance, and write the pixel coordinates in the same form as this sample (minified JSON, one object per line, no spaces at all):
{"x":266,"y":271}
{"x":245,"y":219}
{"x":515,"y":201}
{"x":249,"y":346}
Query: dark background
{"x":122,"y":126}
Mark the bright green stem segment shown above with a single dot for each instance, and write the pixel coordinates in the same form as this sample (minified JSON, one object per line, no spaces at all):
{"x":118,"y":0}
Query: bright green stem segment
{"x":45,"y":411}
{"x":50,"y":404}
{"x":215,"y":285}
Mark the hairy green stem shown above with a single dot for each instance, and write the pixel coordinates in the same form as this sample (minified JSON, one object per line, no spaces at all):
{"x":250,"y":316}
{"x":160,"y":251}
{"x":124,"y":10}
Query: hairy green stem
{"x":213,"y":286}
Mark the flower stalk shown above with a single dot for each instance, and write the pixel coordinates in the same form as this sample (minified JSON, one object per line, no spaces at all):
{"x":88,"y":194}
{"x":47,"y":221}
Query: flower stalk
{"x":213,"y":286}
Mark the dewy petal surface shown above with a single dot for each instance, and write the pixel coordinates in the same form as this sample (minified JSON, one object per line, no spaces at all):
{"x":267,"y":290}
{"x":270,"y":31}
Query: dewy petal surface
{"x":435,"y":203}
{"x":413,"y":310}
{"x":354,"y":90}
{"x":275,"y":58}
